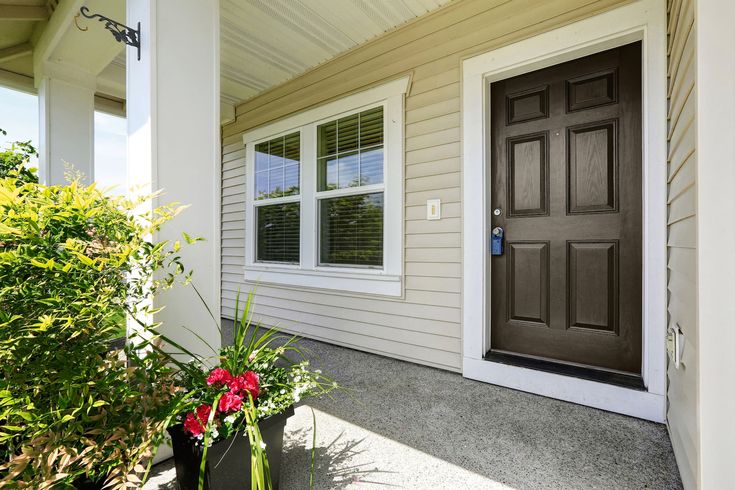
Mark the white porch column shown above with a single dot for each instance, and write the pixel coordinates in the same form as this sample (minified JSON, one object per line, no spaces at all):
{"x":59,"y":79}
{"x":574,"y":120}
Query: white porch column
{"x":173,"y":105}
{"x":715,"y":237}
{"x":66,"y":127}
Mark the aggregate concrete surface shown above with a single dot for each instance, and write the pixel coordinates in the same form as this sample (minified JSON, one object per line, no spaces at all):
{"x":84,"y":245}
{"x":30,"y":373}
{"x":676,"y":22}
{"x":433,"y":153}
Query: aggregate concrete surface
{"x":401,"y":425}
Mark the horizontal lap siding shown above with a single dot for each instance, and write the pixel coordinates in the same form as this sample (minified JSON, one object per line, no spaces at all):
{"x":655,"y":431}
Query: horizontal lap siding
{"x":424,"y":325}
{"x":682,"y":223}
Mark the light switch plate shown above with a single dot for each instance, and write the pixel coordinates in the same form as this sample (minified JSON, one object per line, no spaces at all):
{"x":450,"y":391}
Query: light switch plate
{"x":433,"y":209}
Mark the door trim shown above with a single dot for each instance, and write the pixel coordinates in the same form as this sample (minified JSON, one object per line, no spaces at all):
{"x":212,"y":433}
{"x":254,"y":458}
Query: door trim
{"x":644,"y":20}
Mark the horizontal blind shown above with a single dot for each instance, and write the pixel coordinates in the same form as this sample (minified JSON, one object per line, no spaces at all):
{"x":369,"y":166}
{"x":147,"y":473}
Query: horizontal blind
{"x":351,"y":230}
{"x":350,"y":151}
{"x":278,"y":233}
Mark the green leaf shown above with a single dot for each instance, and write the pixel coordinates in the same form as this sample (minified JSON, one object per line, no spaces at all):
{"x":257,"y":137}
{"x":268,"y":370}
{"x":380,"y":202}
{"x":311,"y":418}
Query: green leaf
{"x":25,"y":415}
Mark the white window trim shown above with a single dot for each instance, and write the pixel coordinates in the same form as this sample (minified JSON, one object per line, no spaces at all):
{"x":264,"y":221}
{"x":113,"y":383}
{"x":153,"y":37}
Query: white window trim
{"x":383,"y":281}
{"x":644,"y":20}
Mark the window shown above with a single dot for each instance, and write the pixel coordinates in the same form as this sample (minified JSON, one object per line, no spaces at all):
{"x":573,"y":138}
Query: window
{"x":277,"y":183}
{"x":349,"y":167}
{"x":325,"y":195}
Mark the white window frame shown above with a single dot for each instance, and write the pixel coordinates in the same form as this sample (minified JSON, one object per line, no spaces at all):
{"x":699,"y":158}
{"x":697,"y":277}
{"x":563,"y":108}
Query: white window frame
{"x":643,"y":20}
{"x":308,"y":273}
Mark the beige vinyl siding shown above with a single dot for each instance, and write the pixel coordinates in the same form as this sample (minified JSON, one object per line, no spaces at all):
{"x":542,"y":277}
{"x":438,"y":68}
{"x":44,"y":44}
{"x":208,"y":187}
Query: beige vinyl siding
{"x":424,"y":325}
{"x":682,"y":223}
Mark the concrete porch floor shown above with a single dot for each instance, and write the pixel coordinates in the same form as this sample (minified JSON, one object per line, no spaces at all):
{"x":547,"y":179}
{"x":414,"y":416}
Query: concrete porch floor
{"x":408,"y":426}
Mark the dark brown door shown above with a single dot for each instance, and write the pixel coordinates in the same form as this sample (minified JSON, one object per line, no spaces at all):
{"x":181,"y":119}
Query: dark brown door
{"x":566,"y":177}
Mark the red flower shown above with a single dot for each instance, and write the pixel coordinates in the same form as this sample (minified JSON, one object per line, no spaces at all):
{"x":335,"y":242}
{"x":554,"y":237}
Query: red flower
{"x":219,"y":376}
{"x":195,"y":423}
{"x":248,"y":382}
{"x":229,"y":402}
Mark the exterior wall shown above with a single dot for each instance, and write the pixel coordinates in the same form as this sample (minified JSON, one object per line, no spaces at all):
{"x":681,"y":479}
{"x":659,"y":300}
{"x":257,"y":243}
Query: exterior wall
{"x":683,"y":389}
{"x":424,"y":325}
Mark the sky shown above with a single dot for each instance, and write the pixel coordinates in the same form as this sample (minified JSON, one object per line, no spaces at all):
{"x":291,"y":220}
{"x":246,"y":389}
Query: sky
{"x":19,"y":117}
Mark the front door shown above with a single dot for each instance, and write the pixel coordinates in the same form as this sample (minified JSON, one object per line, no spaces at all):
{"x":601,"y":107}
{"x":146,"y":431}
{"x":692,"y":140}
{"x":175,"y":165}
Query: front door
{"x":566,"y":187}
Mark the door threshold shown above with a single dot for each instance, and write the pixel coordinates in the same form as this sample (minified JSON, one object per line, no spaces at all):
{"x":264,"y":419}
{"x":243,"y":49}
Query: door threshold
{"x":600,"y":376}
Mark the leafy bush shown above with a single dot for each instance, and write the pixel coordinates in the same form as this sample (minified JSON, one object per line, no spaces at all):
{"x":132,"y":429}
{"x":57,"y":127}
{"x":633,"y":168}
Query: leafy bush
{"x":15,"y":161}
{"x":72,"y":261}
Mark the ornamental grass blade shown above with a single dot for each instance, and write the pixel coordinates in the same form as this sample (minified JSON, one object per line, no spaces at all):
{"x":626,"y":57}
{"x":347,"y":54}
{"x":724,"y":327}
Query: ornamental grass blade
{"x":313,"y":449}
{"x":205,"y":442}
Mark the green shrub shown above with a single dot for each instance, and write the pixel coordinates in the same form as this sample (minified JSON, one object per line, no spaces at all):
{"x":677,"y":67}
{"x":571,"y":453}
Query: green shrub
{"x":72,"y":261}
{"x":15,"y":161}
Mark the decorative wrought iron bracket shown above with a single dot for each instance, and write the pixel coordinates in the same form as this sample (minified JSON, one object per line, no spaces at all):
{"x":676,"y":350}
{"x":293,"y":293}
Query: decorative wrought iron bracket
{"x":121,"y":32}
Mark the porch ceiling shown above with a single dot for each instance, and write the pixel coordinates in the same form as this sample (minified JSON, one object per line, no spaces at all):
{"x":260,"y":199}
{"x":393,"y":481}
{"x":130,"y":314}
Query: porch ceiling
{"x":265,"y":43}
{"x":18,"y":19}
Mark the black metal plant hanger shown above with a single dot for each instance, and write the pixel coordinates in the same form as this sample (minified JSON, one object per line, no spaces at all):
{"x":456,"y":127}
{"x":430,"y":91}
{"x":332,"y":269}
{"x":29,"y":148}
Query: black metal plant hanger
{"x":121,"y":32}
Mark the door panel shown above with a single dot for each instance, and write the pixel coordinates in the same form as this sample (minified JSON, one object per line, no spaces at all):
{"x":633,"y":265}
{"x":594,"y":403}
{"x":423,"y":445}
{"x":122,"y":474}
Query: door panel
{"x":565,"y":153}
{"x":592,"y":167}
{"x":527,"y":170}
{"x":592,"y":282}
{"x":528,"y":282}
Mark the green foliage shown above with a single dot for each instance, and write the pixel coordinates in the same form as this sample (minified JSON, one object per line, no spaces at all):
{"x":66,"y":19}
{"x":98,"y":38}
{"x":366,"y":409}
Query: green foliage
{"x":283,"y":374}
{"x":15,"y":161}
{"x":73,"y":261}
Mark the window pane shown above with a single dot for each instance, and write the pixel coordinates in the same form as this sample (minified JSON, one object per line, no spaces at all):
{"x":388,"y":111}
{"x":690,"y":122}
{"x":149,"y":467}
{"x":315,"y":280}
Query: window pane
{"x":357,"y":142}
{"x":327,"y":136}
{"x":278,"y":230}
{"x":371,"y":166}
{"x":292,"y":148}
{"x":371,"y":127}
{"x":277,"y":167}
{"x":351,"y":230}
{"x":276,"y":153}
{"x":327,"y":177}
{"x":261,"y":184}
{"x":347,"y":170}
{"x":261,"y":157}
{"x":347,"y":133}
{"x":275,"y":182}
{"x":291,"y":180}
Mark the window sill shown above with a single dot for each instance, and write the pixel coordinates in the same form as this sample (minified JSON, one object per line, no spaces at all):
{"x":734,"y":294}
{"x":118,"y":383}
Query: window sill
{"x":368,"y":281}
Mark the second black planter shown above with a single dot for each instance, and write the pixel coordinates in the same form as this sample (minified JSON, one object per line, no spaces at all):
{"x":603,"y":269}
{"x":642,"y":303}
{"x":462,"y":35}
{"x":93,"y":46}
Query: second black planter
{"x":228,"y":461}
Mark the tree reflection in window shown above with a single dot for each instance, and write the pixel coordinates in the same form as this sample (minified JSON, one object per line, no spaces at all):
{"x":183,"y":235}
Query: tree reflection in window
{"x":351,"y":230}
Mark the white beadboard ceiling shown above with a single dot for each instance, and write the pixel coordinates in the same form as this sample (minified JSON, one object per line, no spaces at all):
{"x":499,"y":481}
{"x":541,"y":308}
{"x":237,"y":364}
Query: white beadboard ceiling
{"x":263,"y":42}
{"x":266,"y":42}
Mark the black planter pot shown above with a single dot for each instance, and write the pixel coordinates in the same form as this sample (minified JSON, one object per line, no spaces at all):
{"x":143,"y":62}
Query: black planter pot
{"x":228,"y":461}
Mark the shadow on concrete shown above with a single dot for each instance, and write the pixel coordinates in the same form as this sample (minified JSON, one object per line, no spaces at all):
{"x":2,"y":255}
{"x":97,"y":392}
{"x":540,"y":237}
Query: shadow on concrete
{"x":333,"y":463}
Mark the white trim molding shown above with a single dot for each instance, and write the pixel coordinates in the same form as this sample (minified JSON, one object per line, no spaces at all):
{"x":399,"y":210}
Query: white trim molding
{"x":385,"y":280}
{"x":643,"y":20}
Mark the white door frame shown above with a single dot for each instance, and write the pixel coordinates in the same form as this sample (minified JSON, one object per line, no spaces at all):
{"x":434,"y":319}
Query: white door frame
{"x":644,"y":20}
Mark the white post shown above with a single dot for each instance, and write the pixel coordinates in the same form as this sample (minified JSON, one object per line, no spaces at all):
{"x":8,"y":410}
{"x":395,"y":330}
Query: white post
{"x":173,"y":105}
{"x":715,"y":101}
{"x":66,"y":127}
